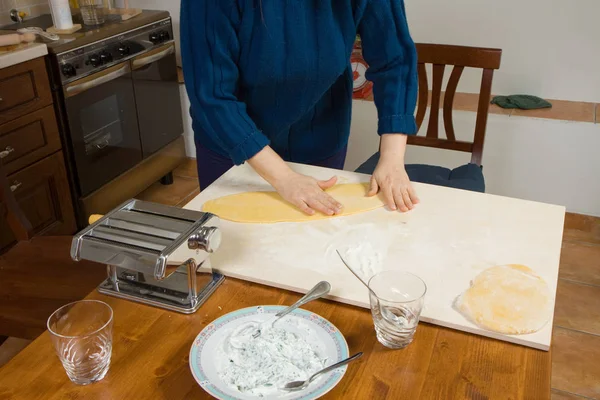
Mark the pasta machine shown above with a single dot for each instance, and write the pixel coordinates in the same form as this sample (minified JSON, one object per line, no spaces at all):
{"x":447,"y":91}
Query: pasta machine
{"x":143,"y":245}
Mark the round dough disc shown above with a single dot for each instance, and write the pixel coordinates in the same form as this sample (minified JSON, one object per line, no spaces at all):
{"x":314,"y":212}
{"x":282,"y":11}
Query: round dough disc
{"x":269,"y":207}
{"x":508,"y":299}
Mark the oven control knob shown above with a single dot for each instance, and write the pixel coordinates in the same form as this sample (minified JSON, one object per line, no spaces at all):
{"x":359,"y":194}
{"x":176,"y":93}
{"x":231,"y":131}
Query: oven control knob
{"x":208,"y":238}
{"x":105,"y":57}
{"x":123,"y":49}
{"x":164,"y":36}
{"x":68,"y":70}
{"x":94,"y":60}
{"x":154,"y":37}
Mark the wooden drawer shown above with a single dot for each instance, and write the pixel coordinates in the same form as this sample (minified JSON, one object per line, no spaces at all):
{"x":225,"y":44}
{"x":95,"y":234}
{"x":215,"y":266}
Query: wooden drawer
{"x":42,"y":191}
{"x":29,"y":139}
{"x":23,"y":88}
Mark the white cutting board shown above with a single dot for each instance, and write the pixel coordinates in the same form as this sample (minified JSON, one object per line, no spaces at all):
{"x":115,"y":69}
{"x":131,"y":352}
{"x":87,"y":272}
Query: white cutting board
{"x":449,"y":238}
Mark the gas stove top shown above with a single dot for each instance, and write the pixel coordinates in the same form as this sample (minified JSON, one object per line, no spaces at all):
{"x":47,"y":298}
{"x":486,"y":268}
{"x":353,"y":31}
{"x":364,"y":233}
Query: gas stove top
{"x":94,"y":48}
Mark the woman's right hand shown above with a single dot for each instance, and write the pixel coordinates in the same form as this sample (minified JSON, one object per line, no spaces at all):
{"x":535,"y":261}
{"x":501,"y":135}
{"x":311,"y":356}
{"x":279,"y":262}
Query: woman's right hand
{"x":308,"y":194}
{"x":302,"y":191}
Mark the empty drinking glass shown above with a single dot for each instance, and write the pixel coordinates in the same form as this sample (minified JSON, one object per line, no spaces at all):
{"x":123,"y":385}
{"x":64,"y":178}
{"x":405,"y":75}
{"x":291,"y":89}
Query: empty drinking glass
{"x":396,"y":303}
{"x":92,"y":12}
{"x":82,"y":336}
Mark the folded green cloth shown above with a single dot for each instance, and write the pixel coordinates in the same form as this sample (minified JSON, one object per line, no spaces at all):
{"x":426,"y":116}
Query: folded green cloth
{"x":522,"y":101}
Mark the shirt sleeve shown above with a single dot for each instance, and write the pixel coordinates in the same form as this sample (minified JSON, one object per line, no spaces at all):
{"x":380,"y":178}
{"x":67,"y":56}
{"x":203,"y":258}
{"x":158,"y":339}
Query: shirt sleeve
{"x":210,"y":51}
{"x":392,"y":57}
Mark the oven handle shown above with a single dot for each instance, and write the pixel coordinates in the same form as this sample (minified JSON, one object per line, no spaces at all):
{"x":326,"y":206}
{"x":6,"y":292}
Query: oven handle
{"x":97,"y":79}
{"x":153,"y":56}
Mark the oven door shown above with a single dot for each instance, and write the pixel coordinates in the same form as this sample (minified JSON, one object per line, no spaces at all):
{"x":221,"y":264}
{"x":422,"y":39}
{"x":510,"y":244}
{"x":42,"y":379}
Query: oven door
{"x":157,"y":97}
{"x":103,"y":125}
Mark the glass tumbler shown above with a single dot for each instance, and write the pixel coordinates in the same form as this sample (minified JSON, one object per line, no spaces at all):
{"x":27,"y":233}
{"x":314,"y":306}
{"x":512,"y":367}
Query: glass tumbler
{"x":81,"y":333}
{"x":92,"y":12}
{"x":397,"y":300}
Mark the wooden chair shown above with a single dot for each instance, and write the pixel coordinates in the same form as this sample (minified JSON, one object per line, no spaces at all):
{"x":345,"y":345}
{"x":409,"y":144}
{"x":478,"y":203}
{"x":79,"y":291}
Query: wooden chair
{"x":37,"y":275}
{"x":469,"y":176}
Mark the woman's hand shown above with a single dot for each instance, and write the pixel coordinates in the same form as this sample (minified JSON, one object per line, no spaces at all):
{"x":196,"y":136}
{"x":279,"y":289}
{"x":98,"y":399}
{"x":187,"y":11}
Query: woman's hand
{"x":302,"y":191}
{"x":308,"y":194}
{"x":390,"y":177}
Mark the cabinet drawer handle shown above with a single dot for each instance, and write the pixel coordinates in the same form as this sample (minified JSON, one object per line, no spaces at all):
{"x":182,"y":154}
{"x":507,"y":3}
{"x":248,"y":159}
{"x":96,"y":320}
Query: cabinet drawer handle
{"x":15,"y":186}
{"x":7,"y":150}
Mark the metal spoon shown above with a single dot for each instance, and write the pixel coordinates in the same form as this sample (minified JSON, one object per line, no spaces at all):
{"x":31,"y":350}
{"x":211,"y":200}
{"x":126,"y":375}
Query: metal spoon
{"x":299,"y":385}
{"x":321,"y":289}
{"x":355,"y":274}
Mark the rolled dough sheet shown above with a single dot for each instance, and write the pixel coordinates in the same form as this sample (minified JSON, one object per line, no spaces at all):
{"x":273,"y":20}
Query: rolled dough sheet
{"x":269,"y":207}
{"x":509,"y":299}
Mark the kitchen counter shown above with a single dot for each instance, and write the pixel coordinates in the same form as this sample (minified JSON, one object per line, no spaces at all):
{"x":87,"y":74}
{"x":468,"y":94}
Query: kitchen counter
{"x":21,"y":53}
{"x":90,"y":34}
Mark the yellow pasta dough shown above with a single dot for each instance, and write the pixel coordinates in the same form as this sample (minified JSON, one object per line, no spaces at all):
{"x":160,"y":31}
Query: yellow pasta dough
{"x":269,"y":207}
{"x":508,"y":299}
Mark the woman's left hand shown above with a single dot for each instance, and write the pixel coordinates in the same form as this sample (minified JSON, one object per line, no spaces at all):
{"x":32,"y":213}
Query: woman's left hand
{"x":390,"y":178}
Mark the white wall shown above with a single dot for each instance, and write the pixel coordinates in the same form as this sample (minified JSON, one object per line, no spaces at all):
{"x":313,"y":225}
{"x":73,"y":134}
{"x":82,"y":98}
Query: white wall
{"x":550,"y":47}
{"x":535,"y":159}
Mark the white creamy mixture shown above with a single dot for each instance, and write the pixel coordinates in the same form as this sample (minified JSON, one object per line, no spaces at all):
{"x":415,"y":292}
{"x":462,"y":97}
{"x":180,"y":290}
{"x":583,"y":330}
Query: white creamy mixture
{"x":261,"y":366}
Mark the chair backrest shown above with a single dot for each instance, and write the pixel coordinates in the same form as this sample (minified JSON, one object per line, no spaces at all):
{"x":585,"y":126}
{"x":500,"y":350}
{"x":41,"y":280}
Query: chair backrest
{"x":10,"y":210}
{"x":460,"y":57}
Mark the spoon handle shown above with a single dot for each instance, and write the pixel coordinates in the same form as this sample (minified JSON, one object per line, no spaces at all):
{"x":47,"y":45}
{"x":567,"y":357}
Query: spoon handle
{"x":354,"y":273}
{"x":321,"y":289}
{"x":336,"y":365}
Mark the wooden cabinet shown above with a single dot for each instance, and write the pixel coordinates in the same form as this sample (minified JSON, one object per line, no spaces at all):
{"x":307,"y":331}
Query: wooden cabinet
{"x":23,"y":88}
{"x":29,"y":138}
{"x":30,"y":150}
{"x":40,"y":190}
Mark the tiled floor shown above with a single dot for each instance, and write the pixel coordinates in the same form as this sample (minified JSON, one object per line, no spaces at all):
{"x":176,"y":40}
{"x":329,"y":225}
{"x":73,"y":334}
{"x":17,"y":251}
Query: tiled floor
{"x":576,"y":342}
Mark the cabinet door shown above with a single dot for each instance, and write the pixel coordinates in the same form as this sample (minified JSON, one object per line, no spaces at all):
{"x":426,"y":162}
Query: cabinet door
{"x":28,"y":139}
{"x":42,"y":191}
{"x":23,"y":88}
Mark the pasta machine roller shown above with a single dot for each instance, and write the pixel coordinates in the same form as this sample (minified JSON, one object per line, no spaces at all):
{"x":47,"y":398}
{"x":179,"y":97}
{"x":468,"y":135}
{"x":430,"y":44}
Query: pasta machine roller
{"x":143,"y":245}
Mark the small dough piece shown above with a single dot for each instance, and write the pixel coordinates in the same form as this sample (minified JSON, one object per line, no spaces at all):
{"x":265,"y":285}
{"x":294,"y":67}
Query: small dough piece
{"x":508,"y":299}
{"x":269,"y":207}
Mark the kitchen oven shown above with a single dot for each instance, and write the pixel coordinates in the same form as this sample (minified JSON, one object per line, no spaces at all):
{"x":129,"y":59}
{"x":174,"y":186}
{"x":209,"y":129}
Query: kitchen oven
{"x":121,"y":102}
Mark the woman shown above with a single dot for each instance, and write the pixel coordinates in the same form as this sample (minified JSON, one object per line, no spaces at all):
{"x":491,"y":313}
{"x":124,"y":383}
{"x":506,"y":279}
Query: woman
{"x":270,"y":80}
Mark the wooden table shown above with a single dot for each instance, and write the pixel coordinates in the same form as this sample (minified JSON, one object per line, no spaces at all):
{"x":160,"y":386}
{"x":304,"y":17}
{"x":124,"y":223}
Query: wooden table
{"x":151,"y":349}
